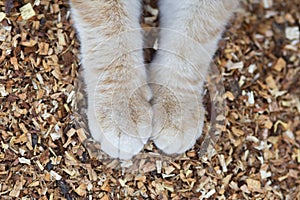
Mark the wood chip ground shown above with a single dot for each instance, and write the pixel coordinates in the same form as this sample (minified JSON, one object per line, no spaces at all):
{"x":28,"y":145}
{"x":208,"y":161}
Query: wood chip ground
{"x":45,"y":151}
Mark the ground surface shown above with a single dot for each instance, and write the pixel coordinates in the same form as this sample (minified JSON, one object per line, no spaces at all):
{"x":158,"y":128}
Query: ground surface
{"x":42,"y":155}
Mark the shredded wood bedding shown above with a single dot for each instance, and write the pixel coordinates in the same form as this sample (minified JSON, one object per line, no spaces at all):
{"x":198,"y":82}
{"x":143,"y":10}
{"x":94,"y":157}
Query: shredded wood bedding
{"x":45,"y":147}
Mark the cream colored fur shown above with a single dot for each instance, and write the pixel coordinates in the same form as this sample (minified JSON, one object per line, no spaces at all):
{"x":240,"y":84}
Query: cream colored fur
{"x":119,"y":112}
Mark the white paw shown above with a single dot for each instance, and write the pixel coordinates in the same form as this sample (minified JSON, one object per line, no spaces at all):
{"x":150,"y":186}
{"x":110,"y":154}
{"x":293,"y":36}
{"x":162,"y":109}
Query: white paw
{"x":177,"y":120}
{"x":120,"y":117}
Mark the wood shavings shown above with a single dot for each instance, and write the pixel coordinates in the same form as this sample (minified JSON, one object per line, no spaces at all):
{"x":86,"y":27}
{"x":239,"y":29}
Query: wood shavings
{"x":232,"y":66}
{"x":223,"y":163}
{"x":271,"y":82}
{"x":24,"y":161}
{"x":284,"y":125}
{"x":27,"y":11}
{"x":43,"y":48}
{"x":55,"y":175}
{"x":29,"y":43}
{"x":267,"y":3}
{"x":45,"y":141}
{"x":298,"y":155}
{"x":2,"y":16}
{"x":280,"y":65}
{"x":250,"y":98}
{"x":253,"y":185}
{"x":55,"y":136}
{"x":252,"y":68}
{"x":264,"y":174}
{"x":292,"y":33}
{"x":3,"y":91}
{"x":17,"y":188}
{"x":81,"y":189}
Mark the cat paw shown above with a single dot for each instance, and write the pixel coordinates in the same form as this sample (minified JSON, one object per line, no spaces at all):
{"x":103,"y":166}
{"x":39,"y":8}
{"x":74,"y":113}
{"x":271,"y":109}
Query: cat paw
{"x":120,"y":117}
{"x":178,"y":118}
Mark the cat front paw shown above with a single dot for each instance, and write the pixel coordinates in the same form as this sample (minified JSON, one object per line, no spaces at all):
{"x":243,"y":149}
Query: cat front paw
{"x":120,"y":116}
{"x":178,"y":118}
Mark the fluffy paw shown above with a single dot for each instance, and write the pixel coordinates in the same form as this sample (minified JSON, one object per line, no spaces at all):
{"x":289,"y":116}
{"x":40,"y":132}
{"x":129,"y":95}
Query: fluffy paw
{"x":120,"y":116}
{"x":178,"y":118}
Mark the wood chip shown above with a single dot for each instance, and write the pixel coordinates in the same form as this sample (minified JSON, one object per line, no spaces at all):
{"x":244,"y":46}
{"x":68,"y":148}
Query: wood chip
{"x":27,"y":11}
{"x":280,"y":65}
{"x":2,"y":16}
{"x":292,"y":33}
{"x":253,"y":185}
{"x":81,"y":189}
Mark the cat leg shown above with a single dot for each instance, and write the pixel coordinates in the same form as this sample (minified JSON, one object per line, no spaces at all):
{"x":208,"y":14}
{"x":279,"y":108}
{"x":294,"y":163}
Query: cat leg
{"x":189,"y":34}
{"x":119,"y":113}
